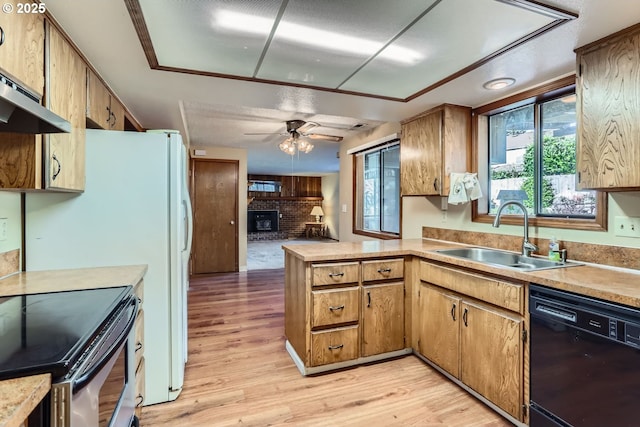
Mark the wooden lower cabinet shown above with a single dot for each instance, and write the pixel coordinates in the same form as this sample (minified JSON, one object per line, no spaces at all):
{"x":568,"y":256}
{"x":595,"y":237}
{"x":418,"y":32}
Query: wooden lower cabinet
{"x":334,"y":318}
{"x":139,"y":350}
{"x":491,"y":355}
{"x":382,"y":318}
{"x":334,"y":345}
{"x":439,"y":328}
{"x":477,"y":343}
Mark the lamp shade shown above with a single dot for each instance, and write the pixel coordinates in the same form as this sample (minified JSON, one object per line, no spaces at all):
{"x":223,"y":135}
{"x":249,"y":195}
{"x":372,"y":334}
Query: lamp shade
{"x":317,"y":211}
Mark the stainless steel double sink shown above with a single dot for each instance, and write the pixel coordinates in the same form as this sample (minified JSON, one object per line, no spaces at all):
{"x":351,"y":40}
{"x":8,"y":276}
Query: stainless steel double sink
{"x":505,"y":259}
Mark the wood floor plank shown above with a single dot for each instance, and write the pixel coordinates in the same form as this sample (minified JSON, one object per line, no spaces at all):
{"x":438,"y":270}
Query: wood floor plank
{"x":239,"y":373}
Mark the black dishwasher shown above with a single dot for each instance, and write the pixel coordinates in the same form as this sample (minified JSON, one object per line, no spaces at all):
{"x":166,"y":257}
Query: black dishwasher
{"x":585,"y":361}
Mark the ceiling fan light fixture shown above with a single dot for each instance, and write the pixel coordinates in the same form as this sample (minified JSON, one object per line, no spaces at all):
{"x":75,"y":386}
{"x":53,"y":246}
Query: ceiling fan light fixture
{"x":497,"y":84}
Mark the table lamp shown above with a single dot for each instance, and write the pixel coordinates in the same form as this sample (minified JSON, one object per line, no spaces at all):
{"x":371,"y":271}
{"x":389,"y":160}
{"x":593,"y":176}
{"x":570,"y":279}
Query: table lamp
{"x":317,"y":211}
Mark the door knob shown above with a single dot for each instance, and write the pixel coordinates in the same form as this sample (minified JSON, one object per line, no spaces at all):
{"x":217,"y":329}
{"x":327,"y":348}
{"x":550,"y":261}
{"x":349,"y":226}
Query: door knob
{"x":232,"y":222}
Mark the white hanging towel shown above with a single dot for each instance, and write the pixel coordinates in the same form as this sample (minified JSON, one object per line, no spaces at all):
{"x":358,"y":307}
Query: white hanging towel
{"x":457,"y":191}
{"x":472,"y":186}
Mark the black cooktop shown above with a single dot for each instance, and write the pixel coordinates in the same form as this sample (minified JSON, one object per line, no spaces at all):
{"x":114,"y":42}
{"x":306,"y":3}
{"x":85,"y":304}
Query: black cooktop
{"x":46,"y":332}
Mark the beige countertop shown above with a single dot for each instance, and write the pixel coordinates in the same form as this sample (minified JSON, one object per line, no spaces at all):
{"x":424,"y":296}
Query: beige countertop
{"x":616,"y":285}
{"x":19,"y":396}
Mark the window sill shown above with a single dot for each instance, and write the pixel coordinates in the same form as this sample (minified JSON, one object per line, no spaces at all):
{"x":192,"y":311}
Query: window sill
{"x":599,"y":223}
{"x":376,"y":235}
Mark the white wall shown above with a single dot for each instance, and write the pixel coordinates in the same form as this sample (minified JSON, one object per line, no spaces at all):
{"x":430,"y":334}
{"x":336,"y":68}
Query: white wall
{"x":346,"y":176}
{"x":10,"y":209}
{"x":331,"y":203}
{"x":224,"y":153}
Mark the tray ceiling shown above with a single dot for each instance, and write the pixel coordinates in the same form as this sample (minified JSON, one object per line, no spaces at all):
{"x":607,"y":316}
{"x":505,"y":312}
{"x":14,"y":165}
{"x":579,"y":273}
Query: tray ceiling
{"x":367,"y":47}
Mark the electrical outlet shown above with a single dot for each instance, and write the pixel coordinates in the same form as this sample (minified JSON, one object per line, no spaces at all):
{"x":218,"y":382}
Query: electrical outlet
{"x":626,"y":226}
{"x":444,"y":216}
{"x":4,"y":228}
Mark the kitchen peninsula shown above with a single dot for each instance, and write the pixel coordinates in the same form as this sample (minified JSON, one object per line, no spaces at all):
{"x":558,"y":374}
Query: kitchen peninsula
{"x":331,"y":288}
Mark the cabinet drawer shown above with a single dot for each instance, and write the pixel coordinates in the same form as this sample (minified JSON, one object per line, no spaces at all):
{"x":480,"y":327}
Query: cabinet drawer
{"x":335,"y":274}
{"x":382,"y":269}
{"x":332,"y":307}
{"x":139,"y":341}
{"x":492,"y":290}
{"x":334,"y":345}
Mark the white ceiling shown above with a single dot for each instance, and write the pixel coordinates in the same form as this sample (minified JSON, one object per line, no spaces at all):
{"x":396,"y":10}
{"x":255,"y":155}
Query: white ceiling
{"x":215,"y":111}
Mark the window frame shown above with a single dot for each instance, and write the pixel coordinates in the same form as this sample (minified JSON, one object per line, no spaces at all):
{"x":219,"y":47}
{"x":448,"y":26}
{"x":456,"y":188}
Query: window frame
{"x":354,"y":220}
{"x":536,"y":95}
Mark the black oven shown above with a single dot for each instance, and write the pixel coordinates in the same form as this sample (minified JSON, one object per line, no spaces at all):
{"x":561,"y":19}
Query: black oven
{"x":584,"y":356}
{"x":85,"y":339}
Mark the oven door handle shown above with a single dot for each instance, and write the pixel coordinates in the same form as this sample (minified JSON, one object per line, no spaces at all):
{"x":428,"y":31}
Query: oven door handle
{"x":88,"y":372}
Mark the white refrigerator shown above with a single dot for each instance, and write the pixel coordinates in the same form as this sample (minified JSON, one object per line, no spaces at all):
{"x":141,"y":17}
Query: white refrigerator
{"x":135,"y":210}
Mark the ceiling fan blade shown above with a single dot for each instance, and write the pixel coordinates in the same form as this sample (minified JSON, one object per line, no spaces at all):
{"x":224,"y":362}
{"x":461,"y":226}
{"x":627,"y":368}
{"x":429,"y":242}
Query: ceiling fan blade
{"x":332,"y":138}
{"x":307,"y":126}
{"x":266,"y":133}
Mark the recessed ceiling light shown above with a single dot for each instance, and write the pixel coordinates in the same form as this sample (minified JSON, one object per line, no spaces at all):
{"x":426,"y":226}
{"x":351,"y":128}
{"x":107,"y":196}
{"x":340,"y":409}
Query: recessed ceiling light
{"x":500,"y":83}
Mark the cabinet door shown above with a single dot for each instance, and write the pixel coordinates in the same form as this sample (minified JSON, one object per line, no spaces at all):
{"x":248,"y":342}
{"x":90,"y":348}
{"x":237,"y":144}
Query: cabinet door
{"x":491,"y":355}
{"x":22,"y":53}
{"x":382,"y":318}
{"x":420,"y":156}
{"x":608,"y":87}
{"x":117,"y":115}
{"x":67,"y":97}
{"x":439,"y":329}
{"x":98,"y":99}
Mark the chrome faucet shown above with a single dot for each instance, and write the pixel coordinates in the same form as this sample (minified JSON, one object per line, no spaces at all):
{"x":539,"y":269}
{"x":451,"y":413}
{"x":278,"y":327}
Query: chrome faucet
{"x":527,"y":246}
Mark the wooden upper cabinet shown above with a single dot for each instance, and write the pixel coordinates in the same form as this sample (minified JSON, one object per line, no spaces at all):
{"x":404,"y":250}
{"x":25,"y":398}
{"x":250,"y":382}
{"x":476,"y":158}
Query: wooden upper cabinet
{"x":608,"y":107}
{"x":432,"y":146}
{"x":66,"y":96}
{"x":22,"y":52}
{"x":103,"y":109}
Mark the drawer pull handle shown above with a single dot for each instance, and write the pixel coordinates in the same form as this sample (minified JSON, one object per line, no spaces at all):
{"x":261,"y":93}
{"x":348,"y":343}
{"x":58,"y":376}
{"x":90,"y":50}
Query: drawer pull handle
{"x":336,"y":274}
{"x":453,"y":312}
{"x":138,"y":346}
{"x":335,"y":347}
{"x":464,"y":317}
{"x":340,"y":307}
{"x":384,"y":270}
{"x":368,"y":299}
{"x":139,"y":400}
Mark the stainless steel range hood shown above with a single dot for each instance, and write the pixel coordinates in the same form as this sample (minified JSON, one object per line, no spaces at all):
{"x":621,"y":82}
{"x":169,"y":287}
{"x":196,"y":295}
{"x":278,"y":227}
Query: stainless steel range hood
{"x":21,"y":112}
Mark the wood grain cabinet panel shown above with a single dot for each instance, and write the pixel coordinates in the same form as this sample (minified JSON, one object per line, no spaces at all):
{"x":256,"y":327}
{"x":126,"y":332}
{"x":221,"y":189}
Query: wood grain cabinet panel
{"x":335,"y":273}
{"x":382,"y":318}
{"x":66,"y":96}
{"x":335,"y":306}
{"x":491,"y":355}
{"x":492,"y":290}
{"x":22,"y":52}
{"x":382,"y":269}
{"x":334,"y":345}
{"x":103,"y":109}
{"x":432,"y":146}
{"x":439,"y":328}
{"x":608,"y":90}
{"x":479,"y":344}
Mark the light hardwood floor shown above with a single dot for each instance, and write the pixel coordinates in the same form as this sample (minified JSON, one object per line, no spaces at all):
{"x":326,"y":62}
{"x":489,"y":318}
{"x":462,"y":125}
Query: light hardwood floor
{"x":240,"y":374}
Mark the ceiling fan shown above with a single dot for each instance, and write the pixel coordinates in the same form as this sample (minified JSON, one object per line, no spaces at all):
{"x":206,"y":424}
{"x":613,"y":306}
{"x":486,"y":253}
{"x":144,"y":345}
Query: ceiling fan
{"x":297,"y":128}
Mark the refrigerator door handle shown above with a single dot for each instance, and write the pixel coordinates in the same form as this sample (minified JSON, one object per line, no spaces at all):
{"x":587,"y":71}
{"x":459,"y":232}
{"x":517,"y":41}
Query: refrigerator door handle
{"x":189,"y":233}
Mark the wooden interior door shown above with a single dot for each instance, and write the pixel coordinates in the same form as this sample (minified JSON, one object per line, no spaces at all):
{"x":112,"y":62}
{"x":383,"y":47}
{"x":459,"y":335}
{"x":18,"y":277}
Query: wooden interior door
{"x":215,"y":216}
